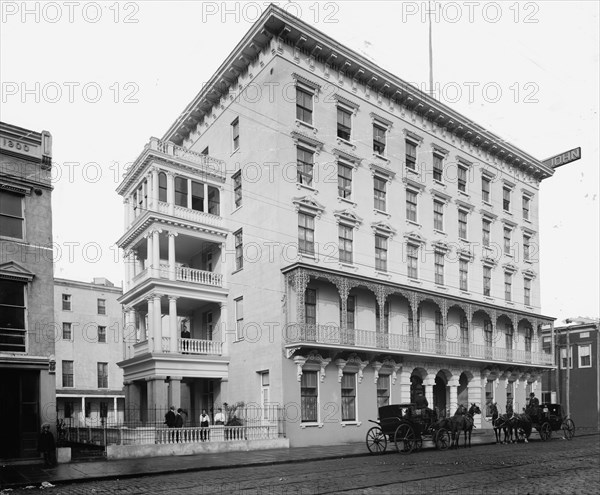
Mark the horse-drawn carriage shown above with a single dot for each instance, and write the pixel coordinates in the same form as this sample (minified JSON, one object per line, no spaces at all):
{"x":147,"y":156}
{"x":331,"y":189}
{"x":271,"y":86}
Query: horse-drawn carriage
{"x":549,"y":418}
{"x":406,"y":426}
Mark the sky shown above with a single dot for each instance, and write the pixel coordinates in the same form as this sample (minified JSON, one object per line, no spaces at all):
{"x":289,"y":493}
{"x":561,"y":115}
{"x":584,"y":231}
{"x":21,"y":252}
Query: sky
{"x":103,"y":77}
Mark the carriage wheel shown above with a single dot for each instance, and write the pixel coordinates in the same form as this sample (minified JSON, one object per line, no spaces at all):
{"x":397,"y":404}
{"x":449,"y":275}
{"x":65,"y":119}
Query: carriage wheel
{"x":568,"y":428}
{"x":545,"y":431}
{"x":376,"y":441}
{"x":442,"y":439}
{"x":404,"y":438}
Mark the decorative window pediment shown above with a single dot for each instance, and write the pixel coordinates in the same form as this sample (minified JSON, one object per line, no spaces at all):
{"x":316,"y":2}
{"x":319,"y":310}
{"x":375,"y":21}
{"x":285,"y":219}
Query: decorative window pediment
{"x":439,"y":195}
{"x":347,"y":217}
{"x":381,"y":120}
{"x":312,"y":362}
{"x":488,"y":174}
{"x":414,"y":238}
{"x":530,"y":274}
{"x":307,"y":83}
{"x":465,"y":254}
{"x":529,"y":232}
{"x":14,"y":271}
{"x":351,"y":105}
{"x":464,"y":205}
{"x":509,"y":223}
{"x":348,"y":157}
{"x":383,"y":172}
{"x":509,"y":268}
{"x":26,"y":191}
{"x":489,"y":261}
{"x":412,"y":136}
{"x":301,"y":139}
{"x":463,"y":161}
{"x":354,"y":364}
{"x":488,"y":215}
{"x":383,"y":228}
{"x":438,"y":150}
{"x":508,"y":184}
{"x":306,"y":204}
{"x":413,"y":184}
{"x":441,"y":246}
{"x":386,"y":367}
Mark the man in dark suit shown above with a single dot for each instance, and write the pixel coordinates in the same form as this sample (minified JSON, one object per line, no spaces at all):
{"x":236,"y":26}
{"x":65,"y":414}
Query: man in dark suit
{"x":170,"y":422}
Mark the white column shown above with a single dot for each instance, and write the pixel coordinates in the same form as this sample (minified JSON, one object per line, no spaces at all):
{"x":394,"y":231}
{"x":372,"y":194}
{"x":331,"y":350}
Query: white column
{"x":225,"y":336}
{"x":205,"y":199}
{"x":83,"y":410}
{"x":173,"y":337}
{"x":157,"y":324}
{"x":189,"y":193}
{"x":156,"y":252}
{"x":453,"y":385}
{"x":127,"y":218}
{"x":115,"y":409}
{"x":154,"y":201}
{"x":150,"y":325}
{"x":171,"y":192}
{"x":149,"y":253}
{"x":476,"y":394}
{"x":404,"y":377}
{"x":172,"y":236}
{"x":429,"y":382}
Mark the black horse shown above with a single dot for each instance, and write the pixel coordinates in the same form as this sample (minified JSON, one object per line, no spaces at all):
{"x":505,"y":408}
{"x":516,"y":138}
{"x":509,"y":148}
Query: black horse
{"x":502,"y":423}
{"x":462,"y":421}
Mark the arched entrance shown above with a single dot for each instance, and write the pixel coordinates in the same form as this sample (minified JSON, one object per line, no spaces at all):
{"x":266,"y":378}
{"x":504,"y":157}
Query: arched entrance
{"x":463,"y":390}
{"x":416,"y":383}
{"x":440,"y":394}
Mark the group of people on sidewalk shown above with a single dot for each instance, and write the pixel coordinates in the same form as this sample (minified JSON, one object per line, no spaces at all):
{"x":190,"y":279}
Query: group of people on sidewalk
{"x":174,"y":419}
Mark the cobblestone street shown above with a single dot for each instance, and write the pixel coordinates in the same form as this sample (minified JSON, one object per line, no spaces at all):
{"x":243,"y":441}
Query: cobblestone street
{"x":536,"y":468}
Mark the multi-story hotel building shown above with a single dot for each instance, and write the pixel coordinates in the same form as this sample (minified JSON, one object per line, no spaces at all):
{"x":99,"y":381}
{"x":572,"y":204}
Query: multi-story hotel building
{"x":89,"y":343}
{"x":26,"y":298}
{"x":335,"y":239}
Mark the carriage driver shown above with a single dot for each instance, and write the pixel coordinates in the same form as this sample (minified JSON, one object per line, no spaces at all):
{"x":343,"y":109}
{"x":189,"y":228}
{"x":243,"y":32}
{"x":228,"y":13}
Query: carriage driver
{"x":534,"y":405}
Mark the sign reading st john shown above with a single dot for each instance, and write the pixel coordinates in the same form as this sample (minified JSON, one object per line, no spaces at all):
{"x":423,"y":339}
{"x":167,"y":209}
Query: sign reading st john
{"x":563,"y":158}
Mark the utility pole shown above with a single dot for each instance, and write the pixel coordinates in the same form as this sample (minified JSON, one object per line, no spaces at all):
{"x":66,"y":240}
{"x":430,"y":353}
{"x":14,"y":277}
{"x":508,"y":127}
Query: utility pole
{"x":431,"y":92}
{"x":567,"y":384}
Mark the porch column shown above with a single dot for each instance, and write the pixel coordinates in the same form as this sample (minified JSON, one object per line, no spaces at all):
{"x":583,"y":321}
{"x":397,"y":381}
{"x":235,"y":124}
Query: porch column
{"x":157,"y":324}
{"x":175,"y":391}
{"x":453,"y":386}
{"x":156,"y":252}
{"x":149,"y":252}
{"x":127,"y":210}
{"x":149,"y":326}
{"x":301,"y":280}
{"x":416,"y":331}
{"x":205,"y":199}
{"x":429,"y":382}
{"x":157,"y":399}
{"x":404,"y":385}
{"x":172,"y":236}
{"x":476,"y":395}
{"x":82,"y":411}
{"x":154,"y":189}
{"x":173,"y":337}
{"x":116,"y":416}
{"x":171,"y":192}
{"x":225,"y":335}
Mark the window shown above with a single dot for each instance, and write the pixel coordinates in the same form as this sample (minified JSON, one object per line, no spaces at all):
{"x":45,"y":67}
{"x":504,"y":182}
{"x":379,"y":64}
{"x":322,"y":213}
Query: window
{"x":66,"y":302}
{"x":528,"y":338}
{"x":264,"y":394}
{"x":439,"y":327}
{"x":585,"y":356}
{"x":239,"y":317}
{"x":345,"y":243}
{"x":101,"y":306}
{"x":67,"y":333}
{"x":486,"y":227}
{"x":306,"y":233}
{"x":527,"y":291}
{"x":350,"y":312}
{"x":197,"y":196}
{"x":526,"y":206}
{"x":526,"y":247}
{"x":507,"y":286}
{"x":411,"y":205}
{"x":508,"y":335}
{"x":12,"y":219}
{"x":462,"y":224}
{"x":349,"y":397}
{"x":506,"y":198}
{"x":67,"y":374}
{"x":411,"y":155}
{"x":546,"y":344}
{"x":462,"y":179}
{"x":412,"y":252}
{"x":235,"y":134}
{"x":310,"y":306}
{"x":102,"y":375}
{"x":88,"y":409}
{"x":237,"y":189}
{"x":487,"y":280}
{"x":181,"y":191}
{"x":464,"y":331}
{"x":309,"y":396}
{"x":463,"y":274}
{"x":487,"y":333}
{"x":485,"y":189}
{"x":304,"y":106}
{"x":379,"y":139}
{"x":69,"y":408}
{"x":12,"y":316}
{"x":162,"y":187}
{"x":239,"y":250}
{"x":381,"y":246}
{"x":386,"y":317}
{"x":438,"y":167}
{"x":344,"y":119}
{"x":344,"y":181}
{"x":101,"y":334}
{"x":383,"y":390}
{"x":563,"y":357}
{"x":507,"y":239}
{"x":438,"y":215}
{"x":379,"y":193}
{"x":305,"y":165}
{"x":104,"y":409}
{"x":439,"y":268}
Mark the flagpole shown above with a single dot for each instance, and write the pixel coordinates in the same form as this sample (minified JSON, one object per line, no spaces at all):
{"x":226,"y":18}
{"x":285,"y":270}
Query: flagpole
{"x":430,"y":53}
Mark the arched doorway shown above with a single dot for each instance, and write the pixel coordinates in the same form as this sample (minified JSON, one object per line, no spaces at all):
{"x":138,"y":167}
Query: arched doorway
{"x":463,"y":390}
{"x":439,"y":394}
{"x":416,"y":387}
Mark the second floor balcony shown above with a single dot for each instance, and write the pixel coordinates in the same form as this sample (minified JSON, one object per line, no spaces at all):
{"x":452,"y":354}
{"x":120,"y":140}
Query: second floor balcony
{"x":180,"y":274}
{"x":336,"y":337}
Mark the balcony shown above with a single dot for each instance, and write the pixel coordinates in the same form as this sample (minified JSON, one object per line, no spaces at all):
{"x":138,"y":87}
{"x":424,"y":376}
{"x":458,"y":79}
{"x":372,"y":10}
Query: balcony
{"x":184,"y":346}
{"x":332,"y":335}
{"x":182,"y":274}
{"x":190,"y":215}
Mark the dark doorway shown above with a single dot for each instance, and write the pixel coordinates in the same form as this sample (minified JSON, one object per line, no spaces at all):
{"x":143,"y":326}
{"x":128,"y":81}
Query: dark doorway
{"x":439,"y":395}
{"x":416,"y":387}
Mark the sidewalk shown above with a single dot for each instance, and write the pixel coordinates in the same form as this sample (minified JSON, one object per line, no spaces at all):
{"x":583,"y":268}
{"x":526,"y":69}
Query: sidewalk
{"x":21,"y":475}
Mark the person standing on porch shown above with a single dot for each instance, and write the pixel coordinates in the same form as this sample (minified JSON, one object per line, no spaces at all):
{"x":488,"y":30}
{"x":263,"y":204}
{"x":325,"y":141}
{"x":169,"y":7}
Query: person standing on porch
{"x":204,"y":424}
{"x":219,"y":417}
